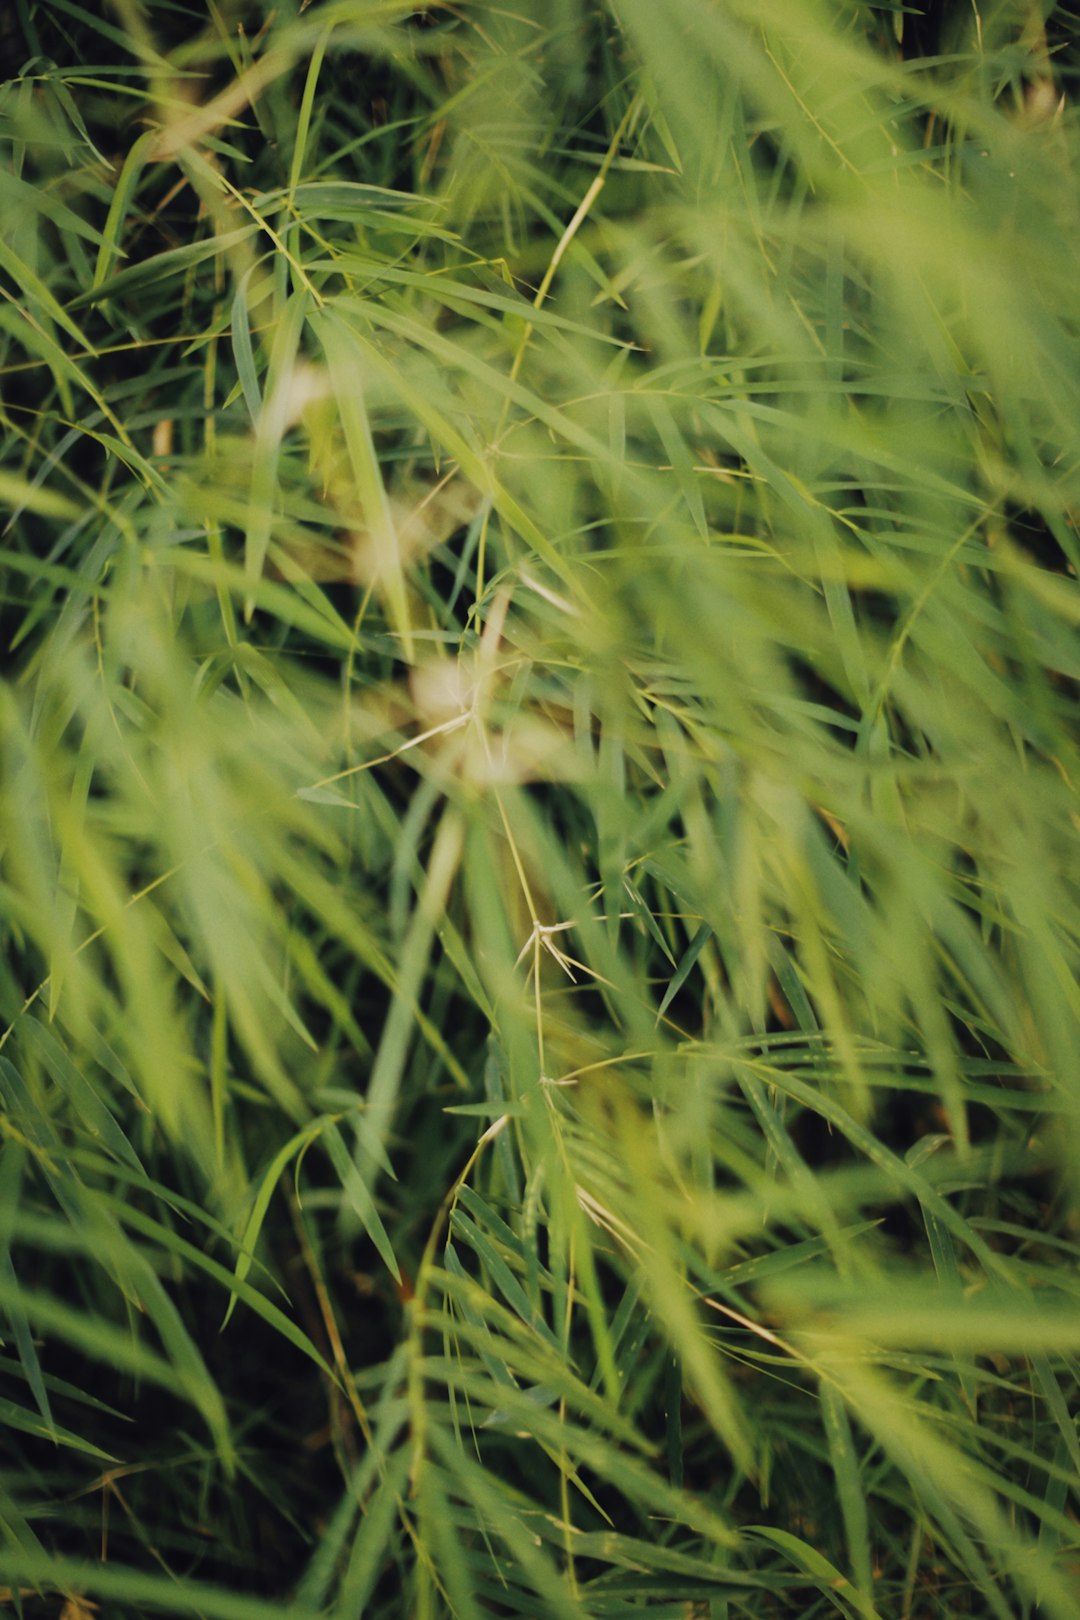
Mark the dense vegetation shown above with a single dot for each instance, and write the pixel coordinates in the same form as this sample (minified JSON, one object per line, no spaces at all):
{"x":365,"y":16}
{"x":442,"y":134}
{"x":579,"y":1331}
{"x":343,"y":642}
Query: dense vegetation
{"x":538,"y":807}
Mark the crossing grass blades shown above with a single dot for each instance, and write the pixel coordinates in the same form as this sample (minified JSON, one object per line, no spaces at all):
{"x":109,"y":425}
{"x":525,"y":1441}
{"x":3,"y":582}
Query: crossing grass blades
{"x":538,"y":808}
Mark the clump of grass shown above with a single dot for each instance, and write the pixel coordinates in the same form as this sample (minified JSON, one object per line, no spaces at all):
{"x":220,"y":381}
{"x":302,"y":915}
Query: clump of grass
{"x":537,"y":808}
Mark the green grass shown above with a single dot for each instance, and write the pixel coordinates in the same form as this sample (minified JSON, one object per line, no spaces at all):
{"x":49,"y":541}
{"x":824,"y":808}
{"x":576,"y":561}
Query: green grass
{"x":538,"y":808}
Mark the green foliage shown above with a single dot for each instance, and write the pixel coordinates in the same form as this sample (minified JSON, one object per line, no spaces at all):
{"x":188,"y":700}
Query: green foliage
{"x":538,"y":799}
